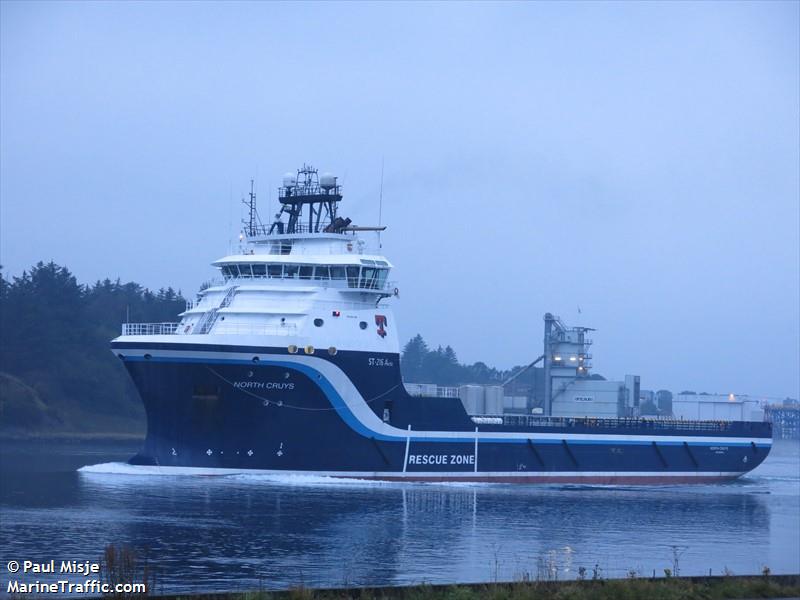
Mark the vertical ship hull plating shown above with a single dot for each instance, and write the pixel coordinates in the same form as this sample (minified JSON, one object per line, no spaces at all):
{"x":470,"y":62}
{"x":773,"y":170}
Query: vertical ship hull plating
{"x":221,"y":408}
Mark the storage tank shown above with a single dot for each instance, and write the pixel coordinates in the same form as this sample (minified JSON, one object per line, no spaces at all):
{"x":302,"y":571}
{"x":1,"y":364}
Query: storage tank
{"x":493,"y":395}
{"x":472,"y":398}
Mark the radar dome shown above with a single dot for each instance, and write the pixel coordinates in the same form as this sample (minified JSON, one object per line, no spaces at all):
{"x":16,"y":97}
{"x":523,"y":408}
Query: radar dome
{"x":289,"y":180}
{"x":327,"y":181}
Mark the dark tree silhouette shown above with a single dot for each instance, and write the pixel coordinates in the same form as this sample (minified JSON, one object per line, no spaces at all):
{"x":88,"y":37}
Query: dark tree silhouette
{"x":56,"y":367}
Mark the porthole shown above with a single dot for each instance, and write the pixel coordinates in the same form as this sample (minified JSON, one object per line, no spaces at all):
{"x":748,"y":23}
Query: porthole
{"x":292,"y":349}
{"x":309,"y":349}
{"x":148,"y":356}
{"x":332,"y":351}
{"x":121,"y":356}
{"x":363,"y":324}
{"x":249,"y":373}
{"x":319,"y":322}
{"x":255,"y":359}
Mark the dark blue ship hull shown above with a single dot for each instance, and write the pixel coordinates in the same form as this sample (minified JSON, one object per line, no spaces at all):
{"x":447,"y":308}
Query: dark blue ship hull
{"x":218,"y":409}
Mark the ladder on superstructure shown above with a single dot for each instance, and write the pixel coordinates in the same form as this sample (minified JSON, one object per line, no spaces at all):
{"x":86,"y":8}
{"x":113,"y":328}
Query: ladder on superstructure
{"x":209,"y":318}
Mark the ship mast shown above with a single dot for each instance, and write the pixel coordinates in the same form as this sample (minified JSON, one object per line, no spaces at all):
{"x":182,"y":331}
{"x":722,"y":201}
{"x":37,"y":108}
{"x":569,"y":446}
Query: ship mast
{"x":319,"y":194}
{"x":252,"y":226}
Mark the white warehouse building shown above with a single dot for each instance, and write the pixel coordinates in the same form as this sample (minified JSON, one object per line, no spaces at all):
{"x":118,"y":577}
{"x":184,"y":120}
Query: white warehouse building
{"x":717,"y":407}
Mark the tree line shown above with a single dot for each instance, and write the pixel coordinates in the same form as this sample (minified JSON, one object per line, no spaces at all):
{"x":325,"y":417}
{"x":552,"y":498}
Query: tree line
{"x":420,"y":364}
{"x":57,"y":372}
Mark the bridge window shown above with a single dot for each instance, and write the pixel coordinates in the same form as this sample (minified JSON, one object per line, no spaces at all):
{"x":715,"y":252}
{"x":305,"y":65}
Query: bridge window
{"x":357,"y":277}
{"x":352,"y":276}
{"x":367,"y":277}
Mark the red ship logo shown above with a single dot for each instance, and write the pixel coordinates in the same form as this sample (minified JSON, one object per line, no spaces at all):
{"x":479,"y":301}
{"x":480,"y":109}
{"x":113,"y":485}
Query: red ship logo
{"x":380,"y":321}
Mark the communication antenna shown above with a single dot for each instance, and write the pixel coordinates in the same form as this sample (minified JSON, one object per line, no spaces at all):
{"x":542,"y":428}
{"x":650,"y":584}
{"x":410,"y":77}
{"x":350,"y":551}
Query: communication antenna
{"x":230,"y":217}
{"x":253,"y":223}
{"x":380,"y":206}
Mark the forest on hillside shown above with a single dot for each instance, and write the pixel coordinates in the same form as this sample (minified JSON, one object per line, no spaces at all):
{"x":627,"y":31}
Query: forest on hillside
{"x":58,"y":375}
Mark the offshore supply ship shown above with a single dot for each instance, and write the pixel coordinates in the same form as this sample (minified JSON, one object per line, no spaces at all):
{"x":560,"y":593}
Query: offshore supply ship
{"x":290,"y":364}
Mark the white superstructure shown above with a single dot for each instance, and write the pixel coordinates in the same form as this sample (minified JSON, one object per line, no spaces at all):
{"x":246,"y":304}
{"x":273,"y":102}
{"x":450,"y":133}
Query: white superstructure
{"x":299,"y":284}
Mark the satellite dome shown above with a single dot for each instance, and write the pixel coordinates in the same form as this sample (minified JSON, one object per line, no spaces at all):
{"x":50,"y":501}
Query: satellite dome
{"x":327,"y":181}
{"x":289,"y":180}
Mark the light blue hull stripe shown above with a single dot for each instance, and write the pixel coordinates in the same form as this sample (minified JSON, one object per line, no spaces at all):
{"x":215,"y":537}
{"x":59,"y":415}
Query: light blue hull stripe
{"x":356,"y":425}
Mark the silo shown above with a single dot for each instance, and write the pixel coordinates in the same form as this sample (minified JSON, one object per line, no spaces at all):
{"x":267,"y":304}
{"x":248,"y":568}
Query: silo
{"x":472,"y":398}
{"x":493,"y":400}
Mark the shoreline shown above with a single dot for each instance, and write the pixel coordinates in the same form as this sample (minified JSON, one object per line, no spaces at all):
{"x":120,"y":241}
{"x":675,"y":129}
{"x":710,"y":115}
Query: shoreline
{"x":720,"y":587}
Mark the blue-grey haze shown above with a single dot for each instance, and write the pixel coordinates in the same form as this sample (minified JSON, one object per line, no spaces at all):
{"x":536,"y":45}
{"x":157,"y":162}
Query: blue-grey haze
{"x":636,"y":160}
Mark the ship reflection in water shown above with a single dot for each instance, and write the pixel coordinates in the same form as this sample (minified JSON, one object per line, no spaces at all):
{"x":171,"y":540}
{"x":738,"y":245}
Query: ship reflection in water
{"x":250,"y":531}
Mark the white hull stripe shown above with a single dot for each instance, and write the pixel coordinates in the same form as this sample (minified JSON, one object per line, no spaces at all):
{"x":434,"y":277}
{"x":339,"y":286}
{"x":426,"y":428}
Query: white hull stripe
{"x":354,"y":410}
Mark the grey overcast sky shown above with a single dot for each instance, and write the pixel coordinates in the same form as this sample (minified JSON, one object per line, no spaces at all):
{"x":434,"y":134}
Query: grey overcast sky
{"x":637,"y":160}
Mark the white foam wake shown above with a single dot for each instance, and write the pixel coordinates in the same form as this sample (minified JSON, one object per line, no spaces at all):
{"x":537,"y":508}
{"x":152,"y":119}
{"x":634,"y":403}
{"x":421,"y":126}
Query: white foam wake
{"x":119,"y":468}
{"x":244,"y":475}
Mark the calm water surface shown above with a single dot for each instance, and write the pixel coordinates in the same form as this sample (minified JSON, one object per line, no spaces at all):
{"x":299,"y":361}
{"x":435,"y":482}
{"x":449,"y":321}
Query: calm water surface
{"x":245,"y":532}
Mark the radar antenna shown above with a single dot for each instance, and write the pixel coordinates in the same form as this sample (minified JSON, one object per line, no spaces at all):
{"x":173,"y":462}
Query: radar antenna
{"x":321,"y":194}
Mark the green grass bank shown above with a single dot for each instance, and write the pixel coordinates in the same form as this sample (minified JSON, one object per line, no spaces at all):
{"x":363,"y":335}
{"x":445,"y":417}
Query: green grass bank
{"x":674,"y":588}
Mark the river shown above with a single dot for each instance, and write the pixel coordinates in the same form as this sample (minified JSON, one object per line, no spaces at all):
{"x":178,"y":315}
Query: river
{"x":256,"y":532}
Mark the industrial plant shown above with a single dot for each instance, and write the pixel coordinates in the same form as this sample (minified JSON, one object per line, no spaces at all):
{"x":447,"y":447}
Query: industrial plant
{"x":559,"y":383}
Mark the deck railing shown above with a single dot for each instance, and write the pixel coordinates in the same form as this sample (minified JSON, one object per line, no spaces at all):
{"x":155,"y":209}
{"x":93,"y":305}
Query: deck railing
{"x":605,"y":422}
{"x":220,"y":328}
{"x":149,"y":328}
